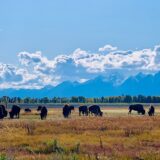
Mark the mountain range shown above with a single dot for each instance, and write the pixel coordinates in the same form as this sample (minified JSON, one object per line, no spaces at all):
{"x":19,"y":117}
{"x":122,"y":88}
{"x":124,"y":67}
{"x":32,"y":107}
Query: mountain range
{"x":145,"y":84}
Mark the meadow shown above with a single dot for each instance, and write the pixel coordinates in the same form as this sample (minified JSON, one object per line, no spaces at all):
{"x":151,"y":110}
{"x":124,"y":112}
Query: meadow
{"x":115,"y":136}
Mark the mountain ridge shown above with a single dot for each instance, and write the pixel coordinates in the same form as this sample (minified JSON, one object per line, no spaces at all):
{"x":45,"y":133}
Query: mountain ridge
{"x":145,"y":84}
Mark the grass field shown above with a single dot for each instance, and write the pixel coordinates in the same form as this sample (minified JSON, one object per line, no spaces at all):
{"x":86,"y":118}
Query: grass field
{"x":115,"y":136}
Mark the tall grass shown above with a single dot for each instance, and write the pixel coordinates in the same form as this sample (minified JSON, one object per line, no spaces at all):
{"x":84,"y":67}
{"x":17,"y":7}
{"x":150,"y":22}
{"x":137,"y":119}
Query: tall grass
{"x":85,"y":138}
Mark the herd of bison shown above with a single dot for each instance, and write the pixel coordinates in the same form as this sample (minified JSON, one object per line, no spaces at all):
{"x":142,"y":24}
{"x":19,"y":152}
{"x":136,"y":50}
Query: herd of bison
{"x":67,"y":110}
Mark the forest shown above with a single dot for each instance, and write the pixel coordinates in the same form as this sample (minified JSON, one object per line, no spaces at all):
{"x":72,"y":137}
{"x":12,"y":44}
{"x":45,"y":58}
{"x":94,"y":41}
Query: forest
{"x":81,"y":99}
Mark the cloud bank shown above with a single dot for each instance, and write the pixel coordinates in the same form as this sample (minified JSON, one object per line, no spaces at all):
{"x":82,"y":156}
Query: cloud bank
{"x":36,"y":71}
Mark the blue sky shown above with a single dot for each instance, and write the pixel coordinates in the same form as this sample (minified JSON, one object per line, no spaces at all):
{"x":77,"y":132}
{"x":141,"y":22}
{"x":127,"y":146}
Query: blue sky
{"x":59,"y":26}
{"x":46,"y":42}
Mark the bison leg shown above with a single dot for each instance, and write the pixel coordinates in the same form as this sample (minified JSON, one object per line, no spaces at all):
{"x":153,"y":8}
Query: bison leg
{"x":1,"y":117}
{"x":149,"y":113}
{"x":130,"y":110}
{"x":11,"y":115}
{"x":66,"y":115}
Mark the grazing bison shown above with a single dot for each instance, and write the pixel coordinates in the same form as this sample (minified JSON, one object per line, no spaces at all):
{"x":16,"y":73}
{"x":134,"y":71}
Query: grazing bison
{"x":67,"y":110}
{"x":137,"y":107}
{"x":151,"y":111}
{"x":95,"y":109}
{"x":15,"y":111}
{"x":3,"y":112}
{"x":27,"y":110}
{"x":71,"y":108}
{"x":39,"y":108}
{"x":83,"y":110}
{"x":43,"y":113}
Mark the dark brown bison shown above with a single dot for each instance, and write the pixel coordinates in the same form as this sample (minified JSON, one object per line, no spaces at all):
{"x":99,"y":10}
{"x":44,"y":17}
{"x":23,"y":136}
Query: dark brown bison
{"x":95,"y":109}
{"x":27,"y":110}
{"x":67,"y":110}
{"x":3,"y":112}
{"x":83,"y":110}
{"x":15,"y":111}
{"x":39,"y":108}
{"x":151,"y":111}
{"x":137,"y":107}
{"x":43,"y":113}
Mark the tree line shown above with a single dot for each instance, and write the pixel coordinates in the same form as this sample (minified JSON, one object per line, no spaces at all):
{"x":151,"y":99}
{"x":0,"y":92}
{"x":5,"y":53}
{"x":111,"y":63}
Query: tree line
{"x":81,"y":99}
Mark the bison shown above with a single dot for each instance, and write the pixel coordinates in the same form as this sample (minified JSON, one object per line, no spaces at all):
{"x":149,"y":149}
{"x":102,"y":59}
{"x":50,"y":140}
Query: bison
{"x":151,"y":111}
{"x":27,"y":110}
{"x":39,"y":108}
{"x":3,"y":112}
{"x":83,"y":110}
{"x":67,"y":110}
{"x":137,"y":107}
{"x":15,"y":111}
{"x":43,"y":113}
{"x":95,"y":109}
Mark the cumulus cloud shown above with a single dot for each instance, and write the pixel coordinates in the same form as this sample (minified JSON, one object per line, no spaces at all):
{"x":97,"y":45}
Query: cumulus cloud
{"x":107,"y":47}
{"x":36,"y":71}
{"x":10,"y":73}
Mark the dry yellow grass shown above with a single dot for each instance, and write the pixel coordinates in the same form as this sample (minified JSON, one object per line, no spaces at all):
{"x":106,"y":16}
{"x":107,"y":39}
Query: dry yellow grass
{"x":114,"y":136}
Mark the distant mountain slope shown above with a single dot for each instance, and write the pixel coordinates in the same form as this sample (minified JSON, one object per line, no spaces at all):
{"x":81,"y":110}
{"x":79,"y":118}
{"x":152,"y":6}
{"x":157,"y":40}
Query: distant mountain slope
{"x":141,"y":84}
{"x":100,"y":86}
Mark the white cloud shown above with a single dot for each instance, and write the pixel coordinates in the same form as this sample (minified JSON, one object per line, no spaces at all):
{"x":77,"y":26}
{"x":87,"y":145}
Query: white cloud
{"x":107,"y":47}
{"x":37,"y":71}
{"x":26,"y":58}
{"x":157,"y":55}
{"x":10,"y":73}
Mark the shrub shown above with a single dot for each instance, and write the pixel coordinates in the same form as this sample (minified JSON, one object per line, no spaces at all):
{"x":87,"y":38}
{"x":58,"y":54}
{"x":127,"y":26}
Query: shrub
{"x":56,"y":148}
{"x":4,"y":157}
{"x":76,"y":149}
{"x":52,"y":147}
